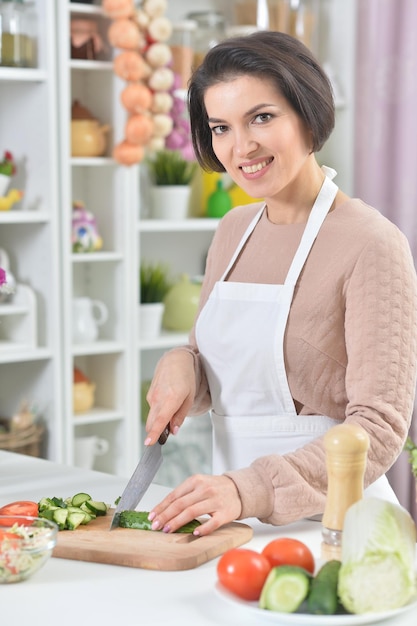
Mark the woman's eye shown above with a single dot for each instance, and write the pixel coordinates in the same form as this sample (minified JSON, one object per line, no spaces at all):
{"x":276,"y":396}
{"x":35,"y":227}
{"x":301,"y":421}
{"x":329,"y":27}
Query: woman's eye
{"x":218,"y":130}
{"x":261,"y":118}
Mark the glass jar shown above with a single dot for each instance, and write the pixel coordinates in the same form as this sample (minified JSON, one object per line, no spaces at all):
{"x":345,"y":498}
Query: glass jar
{"x":211,"y":28}
{"x":304,"y":22}
{"x":182,"y":48}
{"x":18,"y":33}
{"x":266,"y":14}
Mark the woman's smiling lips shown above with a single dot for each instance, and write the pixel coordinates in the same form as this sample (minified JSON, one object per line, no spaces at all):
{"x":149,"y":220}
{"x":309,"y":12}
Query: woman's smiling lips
{"x":253,"y":169}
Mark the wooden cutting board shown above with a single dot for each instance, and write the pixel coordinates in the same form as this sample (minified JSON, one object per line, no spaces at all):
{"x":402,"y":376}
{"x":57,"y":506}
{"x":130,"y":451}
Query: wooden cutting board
{"x":146,"y":549}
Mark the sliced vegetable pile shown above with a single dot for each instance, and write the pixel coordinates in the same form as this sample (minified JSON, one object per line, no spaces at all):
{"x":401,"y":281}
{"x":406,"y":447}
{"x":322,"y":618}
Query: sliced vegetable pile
{"x":81,"y":509}
{"x":376,"y":571}
{"x":69,"y":513}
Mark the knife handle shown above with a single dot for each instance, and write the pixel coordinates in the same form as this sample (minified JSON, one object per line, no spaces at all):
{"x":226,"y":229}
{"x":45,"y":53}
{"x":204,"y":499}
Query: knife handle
{"x":164,"y":435}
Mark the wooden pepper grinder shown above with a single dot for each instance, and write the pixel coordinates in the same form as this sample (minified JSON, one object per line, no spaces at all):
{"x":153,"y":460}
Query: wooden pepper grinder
{"x":346,"y":448}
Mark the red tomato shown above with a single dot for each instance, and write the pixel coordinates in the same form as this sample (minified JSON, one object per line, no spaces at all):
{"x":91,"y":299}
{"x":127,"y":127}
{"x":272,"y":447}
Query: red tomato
{"x":286,"y":551}
{"x":243,"y":572}
{"x":23,"y":507}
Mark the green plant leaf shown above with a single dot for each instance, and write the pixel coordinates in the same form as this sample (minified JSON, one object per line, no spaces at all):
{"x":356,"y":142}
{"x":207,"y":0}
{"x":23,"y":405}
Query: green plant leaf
{"x":155,"y":282}
{"x":168,"y":167}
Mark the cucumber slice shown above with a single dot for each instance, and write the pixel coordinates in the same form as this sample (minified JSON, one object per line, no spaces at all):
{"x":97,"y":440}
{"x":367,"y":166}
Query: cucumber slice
{"x":48,"y":513}
{"x":75,"y":519}
{"x":285,"y":588}
{"x":80,"y":498}
{"x":85,"y":508}
{"x":44,"y":503}
{"x":60,"y":517}
{"x":59,"y":502}
{"x":88,"y":518}
{"x":98,"y":508}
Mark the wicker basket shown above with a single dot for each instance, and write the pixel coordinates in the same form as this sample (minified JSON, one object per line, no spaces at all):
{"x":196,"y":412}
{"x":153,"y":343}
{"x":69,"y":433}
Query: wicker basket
{"x":26,"y":441}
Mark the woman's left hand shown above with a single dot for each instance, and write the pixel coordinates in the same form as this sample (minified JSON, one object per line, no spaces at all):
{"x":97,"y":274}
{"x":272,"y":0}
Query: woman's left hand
{"x":198,"y":495}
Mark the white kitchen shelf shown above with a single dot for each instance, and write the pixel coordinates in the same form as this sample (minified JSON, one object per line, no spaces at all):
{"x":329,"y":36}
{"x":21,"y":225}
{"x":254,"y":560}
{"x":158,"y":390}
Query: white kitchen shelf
{"x":24,"y":217}
{"x":9,"y":353}
{"x":96,"y":66}
{"x":86,"y":9}
{"x":30,"y":350}
{"x":22,"y":75}
{"x":92,"y":162}
{"x":97,"y":415}
{"x":98,"y":347}
{"x":96,"y":257}
{"x":187,"y":225}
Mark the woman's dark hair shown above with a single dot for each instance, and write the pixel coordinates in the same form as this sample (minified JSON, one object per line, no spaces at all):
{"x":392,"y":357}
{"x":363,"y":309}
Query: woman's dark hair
{"x":276,"y":57}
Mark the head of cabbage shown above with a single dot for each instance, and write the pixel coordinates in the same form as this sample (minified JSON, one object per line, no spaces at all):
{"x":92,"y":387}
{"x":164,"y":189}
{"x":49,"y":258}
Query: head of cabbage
{"x":378,"y":557}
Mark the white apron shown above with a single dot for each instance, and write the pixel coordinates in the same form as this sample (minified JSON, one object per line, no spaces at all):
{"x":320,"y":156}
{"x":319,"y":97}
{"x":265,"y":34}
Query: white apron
{"x":240,"y":336}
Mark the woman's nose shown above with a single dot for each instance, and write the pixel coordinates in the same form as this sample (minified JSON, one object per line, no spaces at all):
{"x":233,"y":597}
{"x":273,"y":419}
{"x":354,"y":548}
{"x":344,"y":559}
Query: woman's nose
{"x":244,"y":144}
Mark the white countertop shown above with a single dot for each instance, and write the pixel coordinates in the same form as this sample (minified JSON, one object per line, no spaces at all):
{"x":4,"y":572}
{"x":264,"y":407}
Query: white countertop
{"x":68,"y":592}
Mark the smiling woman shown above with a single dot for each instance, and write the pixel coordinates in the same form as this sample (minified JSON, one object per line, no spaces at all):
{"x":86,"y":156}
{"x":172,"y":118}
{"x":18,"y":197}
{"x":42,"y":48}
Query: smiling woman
{"x":299,"y":309}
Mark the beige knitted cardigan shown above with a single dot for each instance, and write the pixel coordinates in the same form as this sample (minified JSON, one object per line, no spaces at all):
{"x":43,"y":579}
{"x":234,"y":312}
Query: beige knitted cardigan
{"x":350,"y":343}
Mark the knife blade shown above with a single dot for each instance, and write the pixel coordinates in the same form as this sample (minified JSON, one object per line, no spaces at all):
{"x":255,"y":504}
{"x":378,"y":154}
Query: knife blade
{"x":141,"y":478}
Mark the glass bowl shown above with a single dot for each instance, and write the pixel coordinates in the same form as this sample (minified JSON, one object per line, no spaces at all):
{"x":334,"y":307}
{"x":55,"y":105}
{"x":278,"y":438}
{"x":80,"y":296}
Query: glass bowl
{"x":26,"y":543}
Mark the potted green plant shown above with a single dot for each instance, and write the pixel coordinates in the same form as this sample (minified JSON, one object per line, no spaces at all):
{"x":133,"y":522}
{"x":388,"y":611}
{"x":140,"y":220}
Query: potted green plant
{"x":154,"y":284}
{"x":171,"y":176}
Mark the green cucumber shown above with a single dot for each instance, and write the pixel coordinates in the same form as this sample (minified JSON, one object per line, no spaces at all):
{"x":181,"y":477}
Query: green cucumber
{"x":98,"y":508}
{"x":139,"y":521}
{"x":75,"y":519}
{"x":285,"y":589}
{"x":323,"y":598}
{"x":59,"y":502}
{"x":44,"y":504}
{"x":60,"y":517}
{"x":79,"y":498}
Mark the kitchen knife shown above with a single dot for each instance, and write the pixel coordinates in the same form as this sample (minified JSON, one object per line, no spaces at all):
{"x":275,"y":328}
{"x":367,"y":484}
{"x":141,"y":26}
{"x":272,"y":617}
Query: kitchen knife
{"x":141,"y":478}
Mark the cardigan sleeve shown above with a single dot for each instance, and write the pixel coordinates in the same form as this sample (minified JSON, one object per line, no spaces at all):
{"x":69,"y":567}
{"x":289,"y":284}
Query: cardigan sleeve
{"x":381,"y":342}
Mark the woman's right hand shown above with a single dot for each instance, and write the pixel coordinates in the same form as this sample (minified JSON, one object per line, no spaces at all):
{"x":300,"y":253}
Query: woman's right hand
{"x":171,"y":394}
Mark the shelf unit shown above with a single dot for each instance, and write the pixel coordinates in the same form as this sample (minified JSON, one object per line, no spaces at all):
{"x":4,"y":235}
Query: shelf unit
{"x":30,"y":340}
{"x":108,"y":191}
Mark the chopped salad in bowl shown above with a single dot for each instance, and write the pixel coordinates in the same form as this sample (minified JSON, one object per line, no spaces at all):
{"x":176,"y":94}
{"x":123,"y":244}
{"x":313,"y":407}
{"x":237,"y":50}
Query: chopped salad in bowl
{"x":26,"y":543}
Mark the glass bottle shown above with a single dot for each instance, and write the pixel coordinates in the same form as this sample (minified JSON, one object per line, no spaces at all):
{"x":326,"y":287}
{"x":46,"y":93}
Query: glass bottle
{"x":182,"y":48}
{"x":304,"y":22}
{"x":211,"y":28}
{"x":18,"y":33}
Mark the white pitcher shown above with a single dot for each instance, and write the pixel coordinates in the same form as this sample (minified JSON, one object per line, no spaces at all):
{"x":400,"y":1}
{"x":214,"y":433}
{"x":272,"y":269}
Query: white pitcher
{"x":87,"y":448}
{"x":88,"y":315}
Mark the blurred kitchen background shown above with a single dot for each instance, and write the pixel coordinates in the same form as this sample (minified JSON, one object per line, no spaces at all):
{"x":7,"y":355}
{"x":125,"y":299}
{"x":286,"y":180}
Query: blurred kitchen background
{"x":77,"y":222}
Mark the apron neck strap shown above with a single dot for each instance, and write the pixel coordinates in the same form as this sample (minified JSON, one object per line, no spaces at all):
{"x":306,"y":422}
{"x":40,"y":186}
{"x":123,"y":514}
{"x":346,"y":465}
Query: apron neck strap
{"x":318,"y":214}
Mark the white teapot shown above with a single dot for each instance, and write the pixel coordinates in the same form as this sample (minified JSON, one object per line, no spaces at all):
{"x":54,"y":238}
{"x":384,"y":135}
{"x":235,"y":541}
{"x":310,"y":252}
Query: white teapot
{"x":88,"y":315}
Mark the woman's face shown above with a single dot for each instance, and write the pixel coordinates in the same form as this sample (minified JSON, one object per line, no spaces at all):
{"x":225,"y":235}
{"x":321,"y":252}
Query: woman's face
{"x":260,"y":140}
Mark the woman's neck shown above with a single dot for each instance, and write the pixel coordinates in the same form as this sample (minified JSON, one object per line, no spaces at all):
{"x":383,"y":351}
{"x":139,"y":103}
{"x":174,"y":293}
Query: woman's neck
{"x":293,"y":205}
